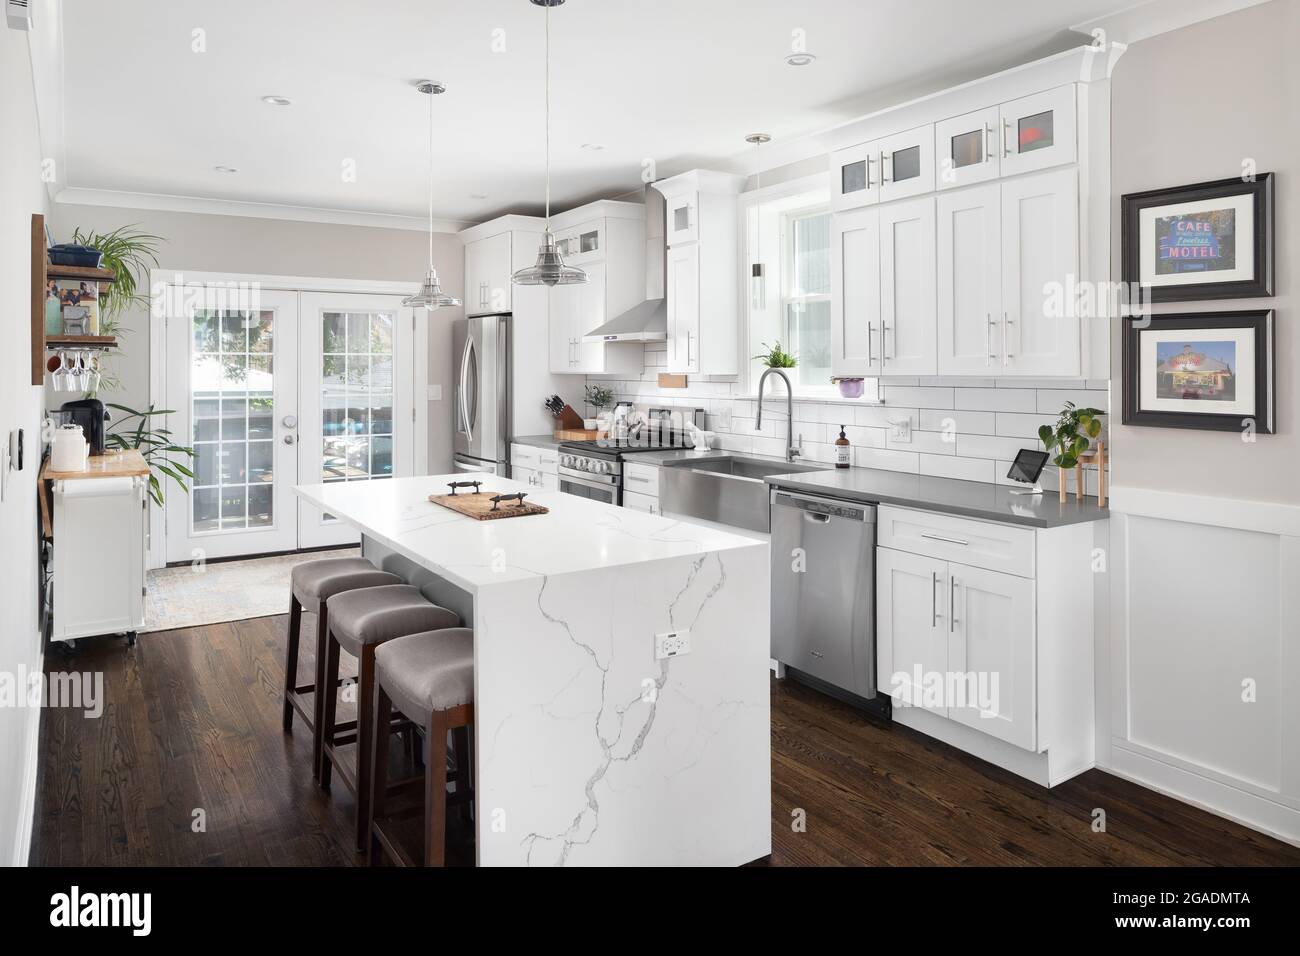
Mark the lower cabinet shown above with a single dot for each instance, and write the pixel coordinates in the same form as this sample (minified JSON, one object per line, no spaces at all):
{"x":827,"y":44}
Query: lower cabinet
{"x":989,"y":626}
{"x":958,"y":641}
{"x":535,"y":466}
{"x":639,"y":502}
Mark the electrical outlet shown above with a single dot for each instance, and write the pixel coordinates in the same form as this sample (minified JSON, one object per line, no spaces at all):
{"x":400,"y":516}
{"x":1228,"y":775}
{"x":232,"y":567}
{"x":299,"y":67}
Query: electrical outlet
{"x":672,"y":644}
{"x":901,"y":430}
{"x":722,"y":418}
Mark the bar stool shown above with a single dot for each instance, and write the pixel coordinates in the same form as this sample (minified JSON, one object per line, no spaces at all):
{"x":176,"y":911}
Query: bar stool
{"x":360,"y":621}
{"x":430,"y":678}
{"x":312,"y":584}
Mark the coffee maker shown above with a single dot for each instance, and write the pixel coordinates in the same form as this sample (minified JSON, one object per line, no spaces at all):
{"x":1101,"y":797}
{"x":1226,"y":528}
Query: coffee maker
{"x":90,"y":415}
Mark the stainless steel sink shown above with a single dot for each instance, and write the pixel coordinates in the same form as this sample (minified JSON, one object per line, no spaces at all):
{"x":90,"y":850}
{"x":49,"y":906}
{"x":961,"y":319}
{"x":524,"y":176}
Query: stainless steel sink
{"x":728,"y":489}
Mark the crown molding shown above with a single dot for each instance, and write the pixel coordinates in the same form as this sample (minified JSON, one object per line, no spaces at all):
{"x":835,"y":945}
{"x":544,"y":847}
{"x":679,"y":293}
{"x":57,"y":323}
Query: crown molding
{"x":77,"y":195}
{"x":1144,"y":20}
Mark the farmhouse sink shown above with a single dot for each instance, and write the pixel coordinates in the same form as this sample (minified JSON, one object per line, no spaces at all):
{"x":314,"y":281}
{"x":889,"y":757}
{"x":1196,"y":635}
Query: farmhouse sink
{"x":728,"y":489}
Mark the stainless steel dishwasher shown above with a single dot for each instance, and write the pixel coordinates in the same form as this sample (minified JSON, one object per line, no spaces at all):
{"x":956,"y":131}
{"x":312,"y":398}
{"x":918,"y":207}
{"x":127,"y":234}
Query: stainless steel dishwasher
{"x":823,"y":589}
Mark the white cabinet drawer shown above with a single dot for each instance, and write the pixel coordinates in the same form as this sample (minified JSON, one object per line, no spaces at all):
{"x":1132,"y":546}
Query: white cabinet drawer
{"x":980,"y":544}
{"x":642,"y":479}
{"x":525,"y":456}
{"x":637,"y":502}
{"x":548,"y":461}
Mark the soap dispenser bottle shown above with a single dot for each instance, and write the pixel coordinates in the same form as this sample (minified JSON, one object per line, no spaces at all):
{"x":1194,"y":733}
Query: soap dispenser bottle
{"x":842,"y":450}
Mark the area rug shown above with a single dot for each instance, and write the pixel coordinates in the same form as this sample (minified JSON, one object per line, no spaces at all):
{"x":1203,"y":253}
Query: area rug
{"x":220,"y":591}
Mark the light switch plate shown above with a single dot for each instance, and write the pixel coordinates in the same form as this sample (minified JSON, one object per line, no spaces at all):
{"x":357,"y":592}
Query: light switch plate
{"x":672,"y":644}
{"x":433,"y":393}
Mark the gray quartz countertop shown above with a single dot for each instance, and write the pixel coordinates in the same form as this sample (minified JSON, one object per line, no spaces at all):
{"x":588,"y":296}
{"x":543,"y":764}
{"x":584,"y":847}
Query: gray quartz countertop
{"x":539,"y":441}
{"x":974,"y":499}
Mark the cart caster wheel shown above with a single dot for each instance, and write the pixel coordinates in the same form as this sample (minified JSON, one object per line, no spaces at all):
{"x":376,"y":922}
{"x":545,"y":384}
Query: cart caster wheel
{"x":69,"y":648}
{"x":130,"y":638}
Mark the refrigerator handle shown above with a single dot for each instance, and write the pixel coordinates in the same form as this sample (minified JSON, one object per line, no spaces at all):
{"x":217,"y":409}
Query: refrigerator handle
{"x":464,"y":380}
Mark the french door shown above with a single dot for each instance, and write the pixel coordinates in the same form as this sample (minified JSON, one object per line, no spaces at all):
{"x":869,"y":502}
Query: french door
{"x":306,"y":388}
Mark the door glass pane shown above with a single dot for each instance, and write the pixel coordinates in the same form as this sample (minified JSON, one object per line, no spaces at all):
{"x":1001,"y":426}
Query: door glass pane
{"x":232,"y":410}
{"x":357,"y":396}
{"x":1035,"y":132}
{"x":968,"y":149}
{"x":681,"y":218}
{"x":905,"y":164}
{"x":853,"y":177}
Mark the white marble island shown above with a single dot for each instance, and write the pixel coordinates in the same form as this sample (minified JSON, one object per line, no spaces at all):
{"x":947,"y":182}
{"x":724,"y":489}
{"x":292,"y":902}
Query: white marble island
{"x":590,"y":750}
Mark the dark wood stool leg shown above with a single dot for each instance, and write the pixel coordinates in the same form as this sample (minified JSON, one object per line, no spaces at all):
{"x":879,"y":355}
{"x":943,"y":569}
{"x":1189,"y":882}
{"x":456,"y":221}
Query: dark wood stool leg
{"x":365,"y":740}
{"x":323,"y":688}
{"x":291,"y":659}
{"x":379,"y":777}
{"x":330,"y":709}
{"x":460,"y":747}
{"x":435,"y":790}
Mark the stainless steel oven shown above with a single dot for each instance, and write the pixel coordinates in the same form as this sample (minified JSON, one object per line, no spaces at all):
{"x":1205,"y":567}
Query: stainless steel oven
{"x":599,"y":477}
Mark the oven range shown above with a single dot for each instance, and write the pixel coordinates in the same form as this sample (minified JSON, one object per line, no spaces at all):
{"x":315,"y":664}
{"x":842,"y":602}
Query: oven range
{"x":594,"y":469}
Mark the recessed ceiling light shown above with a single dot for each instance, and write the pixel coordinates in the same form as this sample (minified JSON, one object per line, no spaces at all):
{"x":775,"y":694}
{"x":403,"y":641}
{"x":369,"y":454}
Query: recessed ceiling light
{"x":593,"y":147}
{"x":478,"y":196}
{"x":225,"y":169}
{"x":277,"y":100}
{"x":799,"y":59}
{"x":758,"y":139}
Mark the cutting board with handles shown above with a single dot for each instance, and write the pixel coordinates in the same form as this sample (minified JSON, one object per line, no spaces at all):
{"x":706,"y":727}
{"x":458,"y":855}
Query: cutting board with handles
{"x":479,"y":506}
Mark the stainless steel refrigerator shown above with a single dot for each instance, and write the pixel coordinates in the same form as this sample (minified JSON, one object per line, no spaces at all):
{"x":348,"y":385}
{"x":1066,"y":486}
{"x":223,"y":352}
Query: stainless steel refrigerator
{"x":481,"y":403}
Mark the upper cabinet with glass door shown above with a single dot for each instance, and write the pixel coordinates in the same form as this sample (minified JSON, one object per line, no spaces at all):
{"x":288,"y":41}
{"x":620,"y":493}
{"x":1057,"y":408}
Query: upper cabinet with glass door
{"x":892,"y":167}
{"x":968,"y":148}
{"x":1038,"y":131}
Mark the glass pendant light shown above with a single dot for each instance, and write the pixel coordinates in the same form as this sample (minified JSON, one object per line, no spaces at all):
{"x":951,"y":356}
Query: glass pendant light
{"x":549,"y":269}
{"x":757,"y":275}
{"x":430,"y":295}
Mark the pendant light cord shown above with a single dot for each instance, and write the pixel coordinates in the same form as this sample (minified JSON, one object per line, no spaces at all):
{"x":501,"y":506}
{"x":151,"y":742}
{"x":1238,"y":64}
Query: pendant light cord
{"x":548,"y":117}
{"x":430,"y":180}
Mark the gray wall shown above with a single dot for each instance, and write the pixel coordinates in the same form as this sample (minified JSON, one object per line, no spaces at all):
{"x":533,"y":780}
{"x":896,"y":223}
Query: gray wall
{"x":1187,"y":107}
{"x":21,"y":194}
{"x":206,"y":243}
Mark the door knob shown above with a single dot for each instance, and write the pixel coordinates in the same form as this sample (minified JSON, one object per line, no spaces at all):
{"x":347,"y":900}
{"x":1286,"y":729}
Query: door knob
{"x":288,"y":439}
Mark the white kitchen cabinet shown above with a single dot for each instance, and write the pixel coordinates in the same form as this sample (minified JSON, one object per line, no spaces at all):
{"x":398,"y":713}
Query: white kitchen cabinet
{"x":891,"y":167}
{"x":883,"y":303}
{"x":534,"y":465}
{"x":1040,"y":257}
{"x":906,"y":163}
{"x":967,"y":148}
{"x":855,"y":292}
{"x":1038,"y":131}
{"x":970,"y":280}
{"x":907,"y":287}
{"x":639,"y":502}
{"x":683,"y":308}
{"x":910,"y":639}
{"x":605,"y":240}
{"x":701,"y":294}
{"x":985,"y":629}
{"x":991,"y":631}
{"x":488,"y":268}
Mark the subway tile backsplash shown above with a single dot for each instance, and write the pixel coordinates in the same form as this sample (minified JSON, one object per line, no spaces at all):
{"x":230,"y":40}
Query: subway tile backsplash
{"x":964,"y":428}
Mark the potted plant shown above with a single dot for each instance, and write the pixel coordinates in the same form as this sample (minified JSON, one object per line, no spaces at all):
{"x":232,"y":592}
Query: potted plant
{"x":600,"y":398}
{"x":777,"y":357}
{"x":1074,"y":431}
{"x":155,"y":444}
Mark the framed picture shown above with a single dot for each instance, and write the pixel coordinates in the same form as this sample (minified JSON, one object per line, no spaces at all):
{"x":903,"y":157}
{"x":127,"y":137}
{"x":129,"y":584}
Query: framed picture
{"x":1208,"y":241}
{"x":1211,"y":370}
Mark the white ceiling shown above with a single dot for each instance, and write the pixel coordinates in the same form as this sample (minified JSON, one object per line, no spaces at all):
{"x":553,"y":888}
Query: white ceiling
{"x":678,"y":81}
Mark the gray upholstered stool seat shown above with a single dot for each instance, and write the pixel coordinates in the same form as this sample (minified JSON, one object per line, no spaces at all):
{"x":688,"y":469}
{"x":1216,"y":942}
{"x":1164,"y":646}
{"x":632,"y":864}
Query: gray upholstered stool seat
{"x":316,"y":581}
{"x":375,"y":615}
{"x":429,"y":671}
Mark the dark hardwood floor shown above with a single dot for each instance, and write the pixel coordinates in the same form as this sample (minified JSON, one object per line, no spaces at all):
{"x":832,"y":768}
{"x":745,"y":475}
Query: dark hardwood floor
{"x":192,"y":722}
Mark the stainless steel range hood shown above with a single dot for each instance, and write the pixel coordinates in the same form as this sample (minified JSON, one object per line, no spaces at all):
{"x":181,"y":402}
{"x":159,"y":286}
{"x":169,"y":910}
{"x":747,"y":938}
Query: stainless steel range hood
{"x":647,"y":322}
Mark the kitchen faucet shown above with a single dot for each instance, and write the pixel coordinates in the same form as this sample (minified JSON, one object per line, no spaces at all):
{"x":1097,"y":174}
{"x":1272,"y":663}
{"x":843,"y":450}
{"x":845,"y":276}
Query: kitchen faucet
{"x":792,"y":451}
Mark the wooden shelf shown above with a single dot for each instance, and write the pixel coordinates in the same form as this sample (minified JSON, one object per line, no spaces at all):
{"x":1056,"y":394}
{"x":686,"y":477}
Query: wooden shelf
{"x":78,"y":272}
{"x":80,"y":341}
{"x":111,"y":464}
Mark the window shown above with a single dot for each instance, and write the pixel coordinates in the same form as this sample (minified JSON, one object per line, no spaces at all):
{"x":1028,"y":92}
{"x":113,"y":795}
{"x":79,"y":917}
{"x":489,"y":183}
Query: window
{"x":789,"y":299}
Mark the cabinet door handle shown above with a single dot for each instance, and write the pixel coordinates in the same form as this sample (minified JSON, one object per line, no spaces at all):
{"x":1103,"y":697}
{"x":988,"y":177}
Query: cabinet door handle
{"x":940,"y":537}
{"x":869,"y":182}
{"x":1006,"y":136}
{"x":989,"y":145}
{"x":637,"y":478}
{"x":871,"y":330}
{"x":883,"y":178}
{"x":988,"y":335}
{"x":1006,"y":321}
{"x":952,"y":604}
{"x":934,"y":599}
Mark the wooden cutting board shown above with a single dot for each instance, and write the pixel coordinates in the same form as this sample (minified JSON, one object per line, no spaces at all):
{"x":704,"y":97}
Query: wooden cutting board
{"x":479,"y":506}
